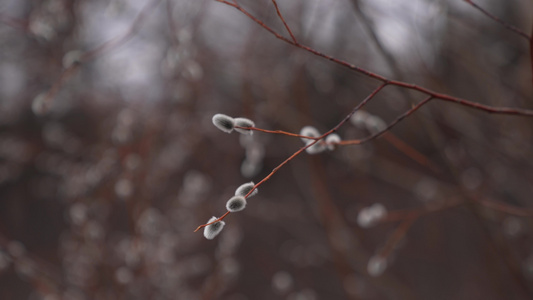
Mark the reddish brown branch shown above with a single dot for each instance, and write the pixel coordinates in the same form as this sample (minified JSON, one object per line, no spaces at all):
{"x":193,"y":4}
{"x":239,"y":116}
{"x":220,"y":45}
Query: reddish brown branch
{"x":397,"y":236}
{"x":377,"y":134}
{"x":217,"y":220}
{"x":278,"y":132}
{"x":14,"y":22}
{"x":505,"y":208}
{"x":358,"y":107}
{"x":411,"y":152}
{"x":284,"y":23}
{"x":433,"y":94}
{"x":502,"y":22}
{"x":403,"y":214}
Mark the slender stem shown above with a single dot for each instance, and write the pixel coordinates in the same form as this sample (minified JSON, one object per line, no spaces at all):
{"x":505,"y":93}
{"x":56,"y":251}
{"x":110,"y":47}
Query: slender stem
{"x":502,"y":22}
{"x":379,"y":133}
{"x":505,"y":208}
{"x":279,"y":132}
{"x":411,"y":152}
{"x":400,"y":215}
{"x":284,"y":23}
{"x":397,"y":236}
{"x":217,"y":220}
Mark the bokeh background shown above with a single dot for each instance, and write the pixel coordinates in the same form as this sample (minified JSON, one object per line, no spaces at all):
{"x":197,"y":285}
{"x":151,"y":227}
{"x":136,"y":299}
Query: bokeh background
{"x":109,"y":160}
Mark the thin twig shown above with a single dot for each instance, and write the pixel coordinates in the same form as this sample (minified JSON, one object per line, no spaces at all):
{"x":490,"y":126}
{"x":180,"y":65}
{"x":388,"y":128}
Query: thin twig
{"x":411,"y":152}
{"x":502,"y":22}
{"x":14,"y":22}
{"x":403,"y":214}
{"x":505,"y":208}
{"x":284,"y":23}
{"x":379,"y":133}
{"x":278,"y":132}
{"x":397,"y":236}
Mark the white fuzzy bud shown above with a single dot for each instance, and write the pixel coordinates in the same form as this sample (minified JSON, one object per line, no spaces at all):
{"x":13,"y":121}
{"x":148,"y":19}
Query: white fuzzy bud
{"x":375,"y":124}
{"x":369,"y":216}
{"x":236,"y":203}
{"x":311,"y":131}
{"x":211,"y":231}
{"x":244,"y":189}
{"x":250,"y":168}
{"x":316,"y":148}
{"x":359,"y":118}
{"x":377,"y":264}
{"x":41,"y":104}
{"x":224,"y":123}
{"x":332,"y":140}
{"x":71,"y":58}
{"x":243,"y":122}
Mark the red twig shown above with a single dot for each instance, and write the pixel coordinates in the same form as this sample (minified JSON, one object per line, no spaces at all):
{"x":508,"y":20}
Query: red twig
{"x":397,"y":236}
{"x":410,"y":151}
{"x":377,"y":134}
{"x":502,"y":22}
{"x":433,"y":94}
{"x":279,"y":132}
{"x":400,"y":215}
{"x":358,"y":107}
{"x":14,"y":22}
{"x":284,"y":23}
{"x":505,"y":208}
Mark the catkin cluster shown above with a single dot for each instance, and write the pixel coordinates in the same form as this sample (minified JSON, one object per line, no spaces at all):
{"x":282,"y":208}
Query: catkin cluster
{"x":328,"y":144}
{"x":228,"y":124}
{"x":309,"y":135}
{"x":234,"y":204}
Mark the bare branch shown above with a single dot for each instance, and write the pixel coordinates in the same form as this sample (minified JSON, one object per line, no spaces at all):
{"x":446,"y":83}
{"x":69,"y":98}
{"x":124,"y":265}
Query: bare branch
{"x":502,"y":22}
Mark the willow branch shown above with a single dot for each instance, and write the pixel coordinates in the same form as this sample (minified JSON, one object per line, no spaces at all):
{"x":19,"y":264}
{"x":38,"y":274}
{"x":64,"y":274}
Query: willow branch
{"x":385,"y":80}
{"x":502,"y":22}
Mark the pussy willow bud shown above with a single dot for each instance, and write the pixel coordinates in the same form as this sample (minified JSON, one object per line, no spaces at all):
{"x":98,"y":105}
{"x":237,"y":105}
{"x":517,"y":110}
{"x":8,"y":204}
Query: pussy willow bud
{"x":236,"y":203}
{"x":243,"y":122}
{"x":311,"y":131}
{"x":332,"y":140}
{"x":211,"y":231}
{"x":359,"y":118}
{"x":375,"y":124}
{"x":370,"y":216}
{"x":224,"y":123}
{"x":244,"y":189}
{"x":377,"y":264}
